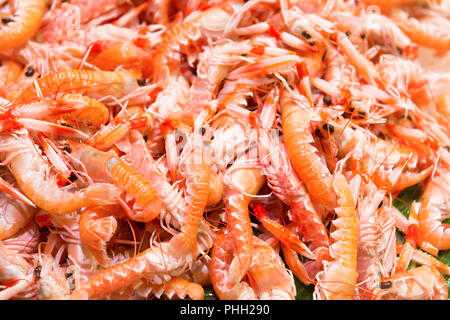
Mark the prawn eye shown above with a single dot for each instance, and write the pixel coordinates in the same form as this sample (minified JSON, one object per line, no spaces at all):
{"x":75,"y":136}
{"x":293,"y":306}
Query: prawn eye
{"x":306,"y":34}
{"x":37,"y":272}
{"x":327,"y":100}
{"x":385,"y":284}
{"x":381,"y":204}
{"x":318,"y":133}
{"x":328,"y":127}
{"x":66,"y":125}
{"x":67,"y":149}
{"x":30,"y":71}
{"x":141,"y":82}
{"x":7,"y":20}
{"x":348,"y":33}
{"x":362,"y":113}
{"x":202,"y":131}
{"x":72,"y":177}
{"x":363,"y":36}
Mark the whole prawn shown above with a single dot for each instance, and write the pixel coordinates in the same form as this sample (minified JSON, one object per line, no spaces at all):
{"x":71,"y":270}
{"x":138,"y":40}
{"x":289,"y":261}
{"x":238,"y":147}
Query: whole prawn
{"x":164,"y":60}
{"x":338,"y":280}
{"x":14,"y":215}
{"x":33,"y":176}
{"x":95,"y":84}
{"x":295,"y":113}
{"x":97,"y":226}
{"x":241,"y":183}
{"x":434,"y":208}
{"x":23,"y":25}
{"x":153,"y":149}
{"x":106,"y":166}
{"x":418,"y":283}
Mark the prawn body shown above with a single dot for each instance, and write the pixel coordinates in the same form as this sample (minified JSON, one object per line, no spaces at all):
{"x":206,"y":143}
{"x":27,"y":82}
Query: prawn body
{"x":23,"y":24}
{"x":435,"y":206}
{"x":425,"y":283}
{"x":32,"y":176}
{"x":338,"y":279}
{"x":153,"y":149}
{"x":95,"y":84}
{"x":106,"y":166}
{"x":303,"y":156}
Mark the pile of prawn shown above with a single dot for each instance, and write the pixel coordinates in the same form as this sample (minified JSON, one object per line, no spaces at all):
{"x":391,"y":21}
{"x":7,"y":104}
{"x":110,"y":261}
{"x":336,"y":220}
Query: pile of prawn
{"x":158,"y":149}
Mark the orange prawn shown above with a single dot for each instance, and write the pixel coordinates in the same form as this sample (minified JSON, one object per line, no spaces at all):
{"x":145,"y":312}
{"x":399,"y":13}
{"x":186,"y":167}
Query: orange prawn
{"x":384,"y":4}
{"x":23,"y":25}
{"x":14,"y":215}
{"x":32,"y":176}
{"x":105,"y":166}
{"x":153,"y":263}
{"x":126,"y":55}
{"x":338,"y":280}
{"x":424,"y":283}
{"x":117,"y":129}
{"x":241,"y":184}
{"x":289,"y":188}
{"x":197,"y":167}
{"x":163,"y":60}
{"x":95,"y":84}
{"x":435,"y":207}
{"x":271,"y":279}
{"x":68,"y":107}
{"x":139,"y":157}
{"x":173,"y":289}
{"x":97,"y":226}
{"x":225,"y":283}
{"x":282,"y":233}
{"x":430,"y":32}
{"x":295,"y":114}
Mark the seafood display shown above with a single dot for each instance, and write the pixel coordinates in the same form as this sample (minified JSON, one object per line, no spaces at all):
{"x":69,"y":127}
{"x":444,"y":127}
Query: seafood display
{"x":235,"y":150}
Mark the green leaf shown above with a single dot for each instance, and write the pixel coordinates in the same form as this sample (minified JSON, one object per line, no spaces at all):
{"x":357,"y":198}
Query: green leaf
{"x":444,"y":256}
{"x":406,"y":198}
{"x":400,"y":236}
{"x":210,"y":294}
{"x":303,"y":292}
{"x":402,"y":203}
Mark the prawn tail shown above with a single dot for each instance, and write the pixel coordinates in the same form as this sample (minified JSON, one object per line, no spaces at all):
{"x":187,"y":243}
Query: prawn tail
{"x":179,"y":287}
{"x":102,"y":229}
{"x":102,"y":194}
